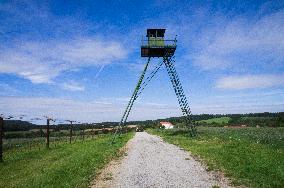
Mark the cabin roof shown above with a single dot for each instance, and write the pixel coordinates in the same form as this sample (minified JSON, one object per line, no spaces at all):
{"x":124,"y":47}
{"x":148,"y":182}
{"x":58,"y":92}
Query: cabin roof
{"x":159,"y":32}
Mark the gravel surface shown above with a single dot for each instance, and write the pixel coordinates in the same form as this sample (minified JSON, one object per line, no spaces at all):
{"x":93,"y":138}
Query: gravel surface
{"x":151,"y":162}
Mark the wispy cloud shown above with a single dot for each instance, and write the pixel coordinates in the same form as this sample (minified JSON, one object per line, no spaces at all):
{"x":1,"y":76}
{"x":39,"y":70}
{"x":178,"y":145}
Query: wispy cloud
{"x":29,"y":19}
{"x":6,"y":89}
{"x":90,"y":111}
{"x":238,"y":108}
{"x":45,"y":45}
{"x":250,"y":81}
{"x":73,"y":86}
{"x":110,"y":111}
{"x":57,"y":108}
{"x":240,"y":43}
{"x":41,"y":62}
{"x":38,"y":45}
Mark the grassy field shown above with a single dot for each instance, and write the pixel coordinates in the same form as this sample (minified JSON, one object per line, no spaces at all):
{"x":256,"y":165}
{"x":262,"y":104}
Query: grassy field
{"x":63,"y":165}
{"x":250,"y":156}
{"x":221,"y":120}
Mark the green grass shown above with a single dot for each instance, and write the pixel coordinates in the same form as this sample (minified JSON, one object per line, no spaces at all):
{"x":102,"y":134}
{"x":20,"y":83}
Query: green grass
{"x":64,"y":165}
{"x":221,"y":120}
{"x":250,"y":156}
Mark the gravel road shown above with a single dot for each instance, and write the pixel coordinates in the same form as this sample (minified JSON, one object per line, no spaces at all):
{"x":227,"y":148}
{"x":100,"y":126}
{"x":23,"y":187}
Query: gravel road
{"x":151,"y":162}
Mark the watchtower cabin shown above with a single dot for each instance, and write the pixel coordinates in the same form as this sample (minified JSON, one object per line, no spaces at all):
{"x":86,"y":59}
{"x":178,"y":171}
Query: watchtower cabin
{"x":156,"y":46}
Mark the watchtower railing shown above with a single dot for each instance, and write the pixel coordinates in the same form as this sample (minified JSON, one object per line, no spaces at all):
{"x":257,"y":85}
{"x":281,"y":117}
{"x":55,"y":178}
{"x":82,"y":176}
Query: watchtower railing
{"x":158,"y":43}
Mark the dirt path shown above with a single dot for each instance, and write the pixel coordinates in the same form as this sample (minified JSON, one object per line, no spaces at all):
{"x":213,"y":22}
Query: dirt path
{"x":150,"y":162}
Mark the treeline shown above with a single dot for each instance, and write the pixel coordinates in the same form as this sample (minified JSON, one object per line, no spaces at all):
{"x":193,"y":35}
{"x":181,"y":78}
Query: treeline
{"x":18,"y":125}
{"x":250,"y":119}
{"x":61,"y":133}
{"x":272,"y":119}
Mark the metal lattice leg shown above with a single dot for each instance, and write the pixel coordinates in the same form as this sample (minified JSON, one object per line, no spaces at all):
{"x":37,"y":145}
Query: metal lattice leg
{"x":131,"y":102}
{"x":168,"y":61}
{"x":179,"y":93}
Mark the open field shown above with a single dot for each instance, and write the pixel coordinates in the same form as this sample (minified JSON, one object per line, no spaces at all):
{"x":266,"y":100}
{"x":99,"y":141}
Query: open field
{"x":250,"y":156}
{"x":63,"y":165}
{"x":221,"y":120}
{"x":244,"y":119}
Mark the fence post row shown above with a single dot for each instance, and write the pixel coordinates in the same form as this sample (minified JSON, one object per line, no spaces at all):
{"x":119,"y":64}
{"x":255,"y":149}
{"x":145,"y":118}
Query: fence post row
{"x":47,"y":139}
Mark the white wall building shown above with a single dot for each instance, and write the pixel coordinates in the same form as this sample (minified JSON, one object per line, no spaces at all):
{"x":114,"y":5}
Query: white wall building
{"x":167,"y":125}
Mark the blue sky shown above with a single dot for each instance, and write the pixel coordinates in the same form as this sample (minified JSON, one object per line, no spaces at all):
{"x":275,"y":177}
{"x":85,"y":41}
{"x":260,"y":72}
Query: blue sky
{"x":81,"y":59}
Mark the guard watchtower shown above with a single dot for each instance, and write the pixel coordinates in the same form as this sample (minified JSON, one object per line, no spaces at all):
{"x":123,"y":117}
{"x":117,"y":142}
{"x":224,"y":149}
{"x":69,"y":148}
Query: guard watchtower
{"x":156,"y":46}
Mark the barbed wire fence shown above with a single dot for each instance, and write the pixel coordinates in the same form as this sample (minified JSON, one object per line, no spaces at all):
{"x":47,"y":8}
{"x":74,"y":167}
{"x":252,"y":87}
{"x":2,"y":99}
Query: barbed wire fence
{"x":33,"y":136}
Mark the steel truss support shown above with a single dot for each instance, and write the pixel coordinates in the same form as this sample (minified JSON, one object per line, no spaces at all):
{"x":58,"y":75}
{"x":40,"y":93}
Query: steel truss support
{"x":182,"y":100}
{"x":131,"y":102}
{"x":168,"y":61}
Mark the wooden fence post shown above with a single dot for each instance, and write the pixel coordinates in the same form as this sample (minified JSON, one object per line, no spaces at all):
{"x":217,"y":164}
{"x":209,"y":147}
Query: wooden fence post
{"x":1,"y":138}
{"x":47,"y":133}
{"x":70,"y":135}
{"x":83,"y":134}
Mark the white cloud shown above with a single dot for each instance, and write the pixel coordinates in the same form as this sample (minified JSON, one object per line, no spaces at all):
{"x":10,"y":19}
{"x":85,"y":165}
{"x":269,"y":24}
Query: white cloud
{"x":57,"y":108}
{"x":41,"y":62}
{"x":81,"y":110}
{"x":250,"y":81}
{"x":240,"y":42}
{"x":232,"y":108}
{"x":6,"y":89}
{"x":73,"y":86}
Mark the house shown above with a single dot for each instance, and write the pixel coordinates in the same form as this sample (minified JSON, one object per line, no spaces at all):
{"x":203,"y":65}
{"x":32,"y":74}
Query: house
{"x":132,"y":126}
{"x":167,"y":125}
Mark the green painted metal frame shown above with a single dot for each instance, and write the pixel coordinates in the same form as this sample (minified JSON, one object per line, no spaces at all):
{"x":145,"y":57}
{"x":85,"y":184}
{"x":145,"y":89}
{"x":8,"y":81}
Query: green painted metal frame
{"x":131,"y":102}
{"x":168,"y":60}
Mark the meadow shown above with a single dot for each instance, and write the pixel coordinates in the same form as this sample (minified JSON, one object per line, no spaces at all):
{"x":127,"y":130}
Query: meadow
{"x":220,"y":120}
{"x":63,"y":165}
{"x":249,"y":156}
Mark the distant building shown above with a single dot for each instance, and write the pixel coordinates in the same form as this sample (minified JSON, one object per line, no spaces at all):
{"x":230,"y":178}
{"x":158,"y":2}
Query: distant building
{"x":167,"y":125}
{"x":132,"y":126}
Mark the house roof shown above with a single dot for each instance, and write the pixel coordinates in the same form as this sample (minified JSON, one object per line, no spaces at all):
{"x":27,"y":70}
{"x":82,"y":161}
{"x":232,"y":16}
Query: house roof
{"x":165,"y":123}
{"x":132,"y":126}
